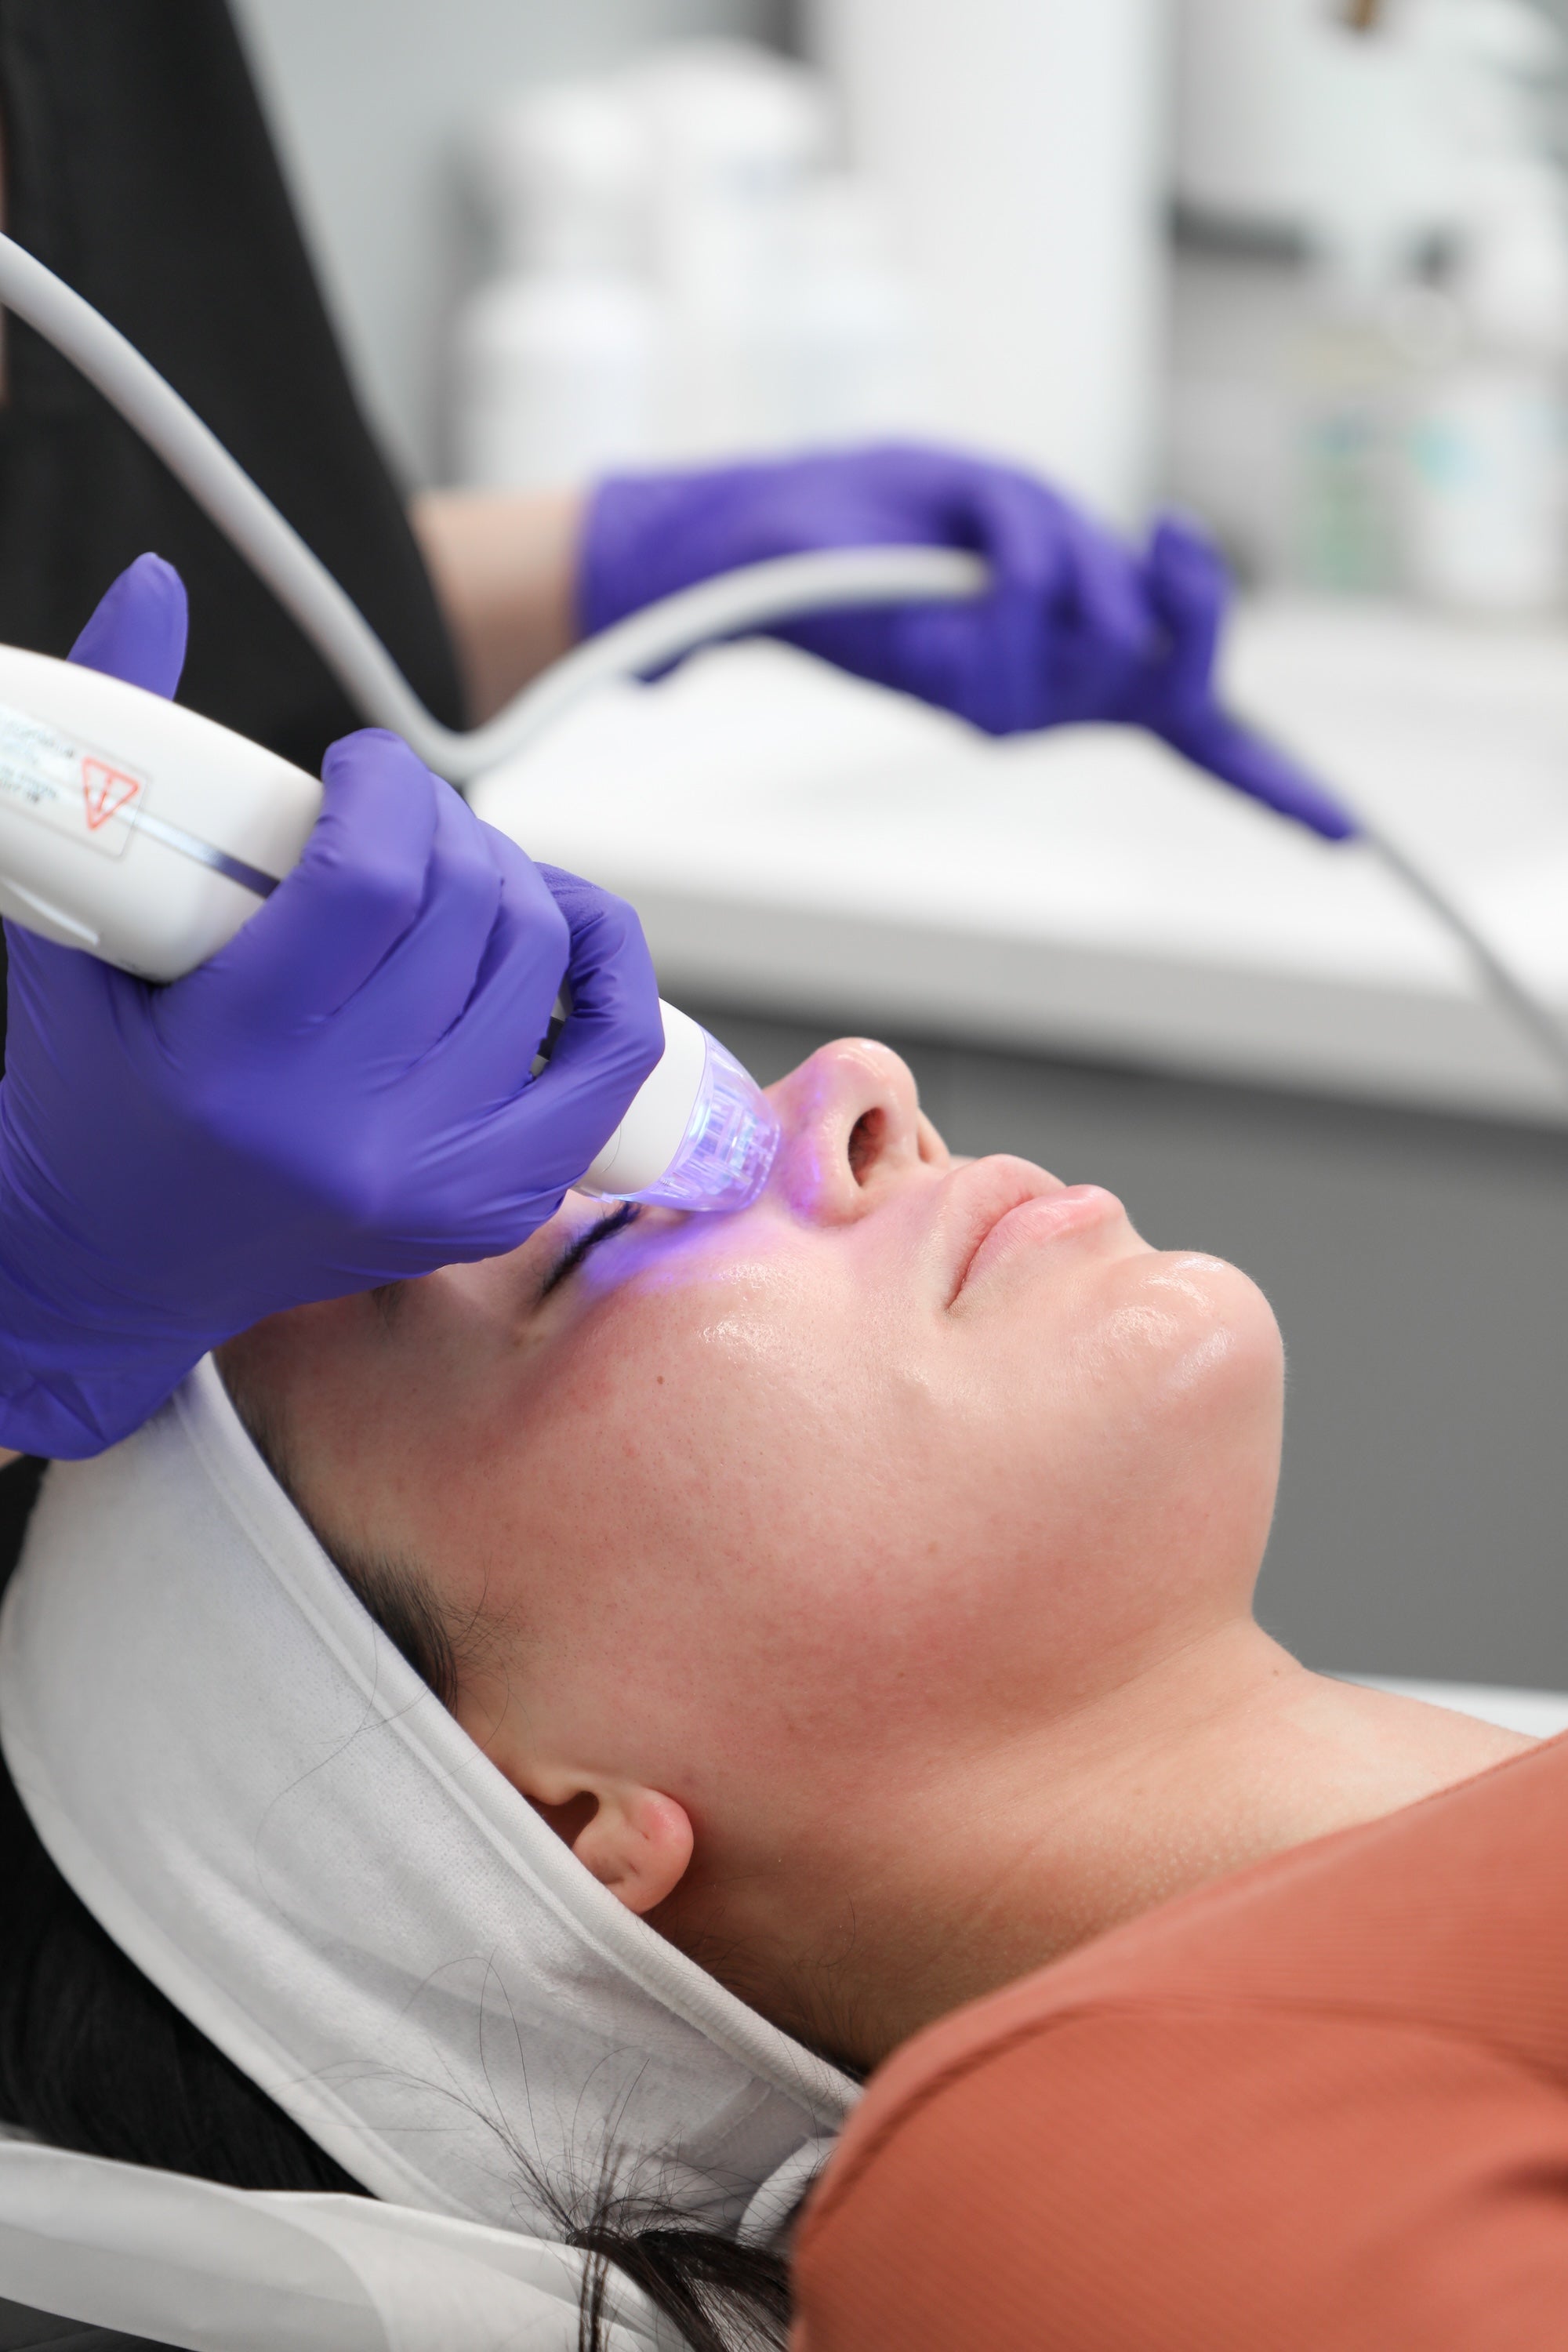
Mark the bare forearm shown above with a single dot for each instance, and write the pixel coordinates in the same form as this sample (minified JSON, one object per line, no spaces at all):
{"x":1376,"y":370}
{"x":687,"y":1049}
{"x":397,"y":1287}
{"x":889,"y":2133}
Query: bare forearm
{"x":6,"y":1455}
{"x":504,"y":567}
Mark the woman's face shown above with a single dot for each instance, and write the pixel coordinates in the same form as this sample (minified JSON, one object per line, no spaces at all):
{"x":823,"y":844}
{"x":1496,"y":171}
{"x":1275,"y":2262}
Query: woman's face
{"x":771,"y":1511}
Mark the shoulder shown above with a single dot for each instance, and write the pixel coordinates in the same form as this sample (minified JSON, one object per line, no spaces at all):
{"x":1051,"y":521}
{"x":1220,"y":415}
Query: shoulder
{"x":1325,"y":2101}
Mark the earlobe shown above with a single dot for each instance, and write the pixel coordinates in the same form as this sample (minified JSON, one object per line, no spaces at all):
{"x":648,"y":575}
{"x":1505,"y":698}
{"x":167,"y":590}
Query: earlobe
{"x":634,"y":1841}
{"x":639,"y":1844}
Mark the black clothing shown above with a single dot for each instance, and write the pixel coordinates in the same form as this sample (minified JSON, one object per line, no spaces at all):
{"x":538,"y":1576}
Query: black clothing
{"x":137,"y":164}
{"x":32,"y":2331}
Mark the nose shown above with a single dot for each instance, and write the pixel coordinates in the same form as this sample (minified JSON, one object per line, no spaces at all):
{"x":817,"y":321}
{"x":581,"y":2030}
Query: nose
{"x":853,"y":1131}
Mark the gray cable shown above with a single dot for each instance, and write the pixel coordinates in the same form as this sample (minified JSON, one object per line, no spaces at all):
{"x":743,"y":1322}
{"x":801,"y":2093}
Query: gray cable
{"x":784,"y":589}
{"x":1527,"y":1011}
{"x":781,"y":590}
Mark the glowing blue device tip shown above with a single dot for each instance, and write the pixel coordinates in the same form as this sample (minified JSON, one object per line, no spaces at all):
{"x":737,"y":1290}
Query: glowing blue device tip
{"x":731,"y":1142}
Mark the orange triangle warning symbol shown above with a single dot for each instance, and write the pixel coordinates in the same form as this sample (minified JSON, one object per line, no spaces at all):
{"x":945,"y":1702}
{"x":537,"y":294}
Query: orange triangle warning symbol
{"x":106,"y":792}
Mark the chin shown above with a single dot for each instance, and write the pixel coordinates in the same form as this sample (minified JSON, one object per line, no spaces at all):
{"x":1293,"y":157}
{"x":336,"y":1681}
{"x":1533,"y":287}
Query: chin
{"x":1191,"y":1346}
{"x":1202,"y":1393}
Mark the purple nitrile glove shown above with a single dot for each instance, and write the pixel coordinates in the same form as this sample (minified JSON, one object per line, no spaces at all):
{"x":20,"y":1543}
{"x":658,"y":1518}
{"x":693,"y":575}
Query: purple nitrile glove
{"x":339,"y":1097}
{"x":1174,"y":696}
{"x":1076,"y":626}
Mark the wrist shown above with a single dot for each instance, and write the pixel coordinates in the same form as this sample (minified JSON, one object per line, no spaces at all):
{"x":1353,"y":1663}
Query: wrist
{"x":504,"y":567}
{"x":644,"y":536}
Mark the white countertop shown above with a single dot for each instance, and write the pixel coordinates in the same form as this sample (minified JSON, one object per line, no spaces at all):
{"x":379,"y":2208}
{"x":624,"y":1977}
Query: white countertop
{"x":802,"y":844}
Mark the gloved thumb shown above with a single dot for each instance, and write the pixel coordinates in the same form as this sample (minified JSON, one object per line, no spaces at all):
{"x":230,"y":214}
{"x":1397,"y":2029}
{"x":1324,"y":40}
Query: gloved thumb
{"x":137,"y":632}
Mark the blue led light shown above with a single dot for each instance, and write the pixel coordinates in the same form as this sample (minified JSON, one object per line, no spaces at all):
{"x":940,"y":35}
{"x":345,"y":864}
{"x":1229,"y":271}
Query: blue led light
{"x":731,"y":1142}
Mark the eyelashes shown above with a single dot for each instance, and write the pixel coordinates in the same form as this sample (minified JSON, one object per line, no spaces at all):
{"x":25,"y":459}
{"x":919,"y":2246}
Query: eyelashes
{"x":571,"y":1257}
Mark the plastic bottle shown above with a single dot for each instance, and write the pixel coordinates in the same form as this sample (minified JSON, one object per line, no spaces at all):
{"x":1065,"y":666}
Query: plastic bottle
{"x":856,"y":360}
{"x":558,"y":360}
{"x":734,"y":136}
{"x":1486,"y":493}
{"x":1348,"y":396}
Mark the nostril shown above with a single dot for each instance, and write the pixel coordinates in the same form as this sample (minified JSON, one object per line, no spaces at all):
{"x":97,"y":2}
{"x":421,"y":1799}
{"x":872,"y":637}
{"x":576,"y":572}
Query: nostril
{"x":866,"y":1143}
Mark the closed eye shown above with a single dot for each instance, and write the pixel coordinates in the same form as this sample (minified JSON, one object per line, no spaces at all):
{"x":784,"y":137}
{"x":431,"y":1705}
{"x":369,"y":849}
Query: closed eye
{"x":571,"y":1257}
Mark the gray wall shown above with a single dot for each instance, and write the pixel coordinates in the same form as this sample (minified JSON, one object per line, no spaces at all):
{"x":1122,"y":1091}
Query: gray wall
{"x":1419,"y":1269}
{"x":368,"y":99}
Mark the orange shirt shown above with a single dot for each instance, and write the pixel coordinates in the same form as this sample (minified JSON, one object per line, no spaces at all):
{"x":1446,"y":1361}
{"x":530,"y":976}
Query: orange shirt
{"x":1321,"y":2106}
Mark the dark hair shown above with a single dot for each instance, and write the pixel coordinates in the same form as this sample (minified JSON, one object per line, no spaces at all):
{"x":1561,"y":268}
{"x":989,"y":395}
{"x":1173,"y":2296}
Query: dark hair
{"x":94,"y":2057}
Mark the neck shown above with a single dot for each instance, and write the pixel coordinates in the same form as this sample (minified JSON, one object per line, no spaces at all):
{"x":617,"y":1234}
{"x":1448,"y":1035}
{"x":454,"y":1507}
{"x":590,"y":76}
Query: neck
{"x":1219,"y":1755}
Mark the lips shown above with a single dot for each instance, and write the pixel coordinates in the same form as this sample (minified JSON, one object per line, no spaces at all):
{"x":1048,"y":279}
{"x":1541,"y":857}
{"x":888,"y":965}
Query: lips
{"x":997,"y":1205}
{"x":978,"y":1197}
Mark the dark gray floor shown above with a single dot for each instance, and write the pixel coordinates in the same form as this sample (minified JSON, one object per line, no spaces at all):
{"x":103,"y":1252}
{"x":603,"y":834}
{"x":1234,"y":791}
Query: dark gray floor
{"x":1419,"y":1269}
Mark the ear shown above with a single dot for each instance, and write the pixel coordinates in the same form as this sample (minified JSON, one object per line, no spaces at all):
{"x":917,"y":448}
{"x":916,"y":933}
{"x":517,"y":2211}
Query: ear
{"x":636,"y":1841}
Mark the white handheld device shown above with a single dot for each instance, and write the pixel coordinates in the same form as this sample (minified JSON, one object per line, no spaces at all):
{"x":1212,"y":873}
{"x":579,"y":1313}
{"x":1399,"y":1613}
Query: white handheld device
{"x":144,"y":834}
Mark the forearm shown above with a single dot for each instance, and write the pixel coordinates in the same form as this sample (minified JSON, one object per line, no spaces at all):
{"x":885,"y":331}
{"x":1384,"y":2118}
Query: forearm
{"x":504,"y":565}
{"x":7,"y":1456}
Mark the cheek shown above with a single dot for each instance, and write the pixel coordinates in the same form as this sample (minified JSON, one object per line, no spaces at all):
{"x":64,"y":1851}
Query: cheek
{"x":775,"y":1523}
{"x":726,"y":1508}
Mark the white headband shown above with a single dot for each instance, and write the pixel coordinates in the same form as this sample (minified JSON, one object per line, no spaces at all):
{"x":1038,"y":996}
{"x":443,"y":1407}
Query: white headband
{"x":252,"y":1790}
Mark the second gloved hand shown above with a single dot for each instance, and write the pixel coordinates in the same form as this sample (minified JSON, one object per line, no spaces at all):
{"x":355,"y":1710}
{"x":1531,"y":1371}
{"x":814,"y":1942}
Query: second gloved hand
{"x":1078,"y":625}
{"x":340,"y":1097}
{"x":1060,"y":637}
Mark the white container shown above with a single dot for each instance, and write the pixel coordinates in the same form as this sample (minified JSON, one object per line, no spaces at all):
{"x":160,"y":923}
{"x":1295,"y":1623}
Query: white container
{"x":556,"y":360}
{"x":1486,"y":518}
{"x":857,"y":362}
{"x":1486,"y":521}
{"x":560,"y":178}
{"x":734,"y":136}
{"x":1287,"y":118}
{"x":1021,"y":145}
{"x":556,"y":377}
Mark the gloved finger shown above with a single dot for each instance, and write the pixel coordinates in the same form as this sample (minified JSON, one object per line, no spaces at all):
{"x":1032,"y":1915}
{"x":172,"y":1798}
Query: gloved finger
{"x":356,"y":891}
{"x":422,"y":989}
{"x":1189,"y":589}
{"x":138,"y":631}
{"x":1236,"y":756}
{"x":1102,"y":631}
{"x":1108,"y":590}
{"x":58,"y":991}
{"x":613,"y":1035}
{"x":521,"y":972}
{"x":60,"y":1004}
{"x":1018,"y":525}
{"x":546,"y":1132}
{"x":1070,"y":610}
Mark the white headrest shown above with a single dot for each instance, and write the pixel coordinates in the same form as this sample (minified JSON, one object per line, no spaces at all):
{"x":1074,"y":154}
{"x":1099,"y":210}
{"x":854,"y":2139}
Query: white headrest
{"x":252,"y":1790}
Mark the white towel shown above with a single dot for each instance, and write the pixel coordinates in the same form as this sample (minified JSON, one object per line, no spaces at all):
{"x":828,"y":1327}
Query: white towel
{"x":251,"y":1790}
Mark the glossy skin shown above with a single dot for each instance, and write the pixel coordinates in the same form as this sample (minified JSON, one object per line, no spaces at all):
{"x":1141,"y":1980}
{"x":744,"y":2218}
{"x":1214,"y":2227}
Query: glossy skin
{"x":897,"y":1501}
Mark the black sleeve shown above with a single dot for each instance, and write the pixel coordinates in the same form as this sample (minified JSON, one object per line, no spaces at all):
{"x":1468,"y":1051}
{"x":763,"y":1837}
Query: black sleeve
{"x":137,"y":164}
{"x":22,"y":2330}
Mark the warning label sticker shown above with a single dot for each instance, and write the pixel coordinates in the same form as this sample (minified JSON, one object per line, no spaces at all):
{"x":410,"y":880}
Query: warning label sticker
{"x":62,"y":783}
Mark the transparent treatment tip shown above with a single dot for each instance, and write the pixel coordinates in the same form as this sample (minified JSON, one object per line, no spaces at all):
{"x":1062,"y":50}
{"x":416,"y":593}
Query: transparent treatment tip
{"x":731,"y":1142}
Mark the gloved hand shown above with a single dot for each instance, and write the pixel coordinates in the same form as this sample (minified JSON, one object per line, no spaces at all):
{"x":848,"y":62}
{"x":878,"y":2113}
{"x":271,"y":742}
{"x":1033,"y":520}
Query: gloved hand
{"x":1076,"y":626}
{"x":339,"y":1097}
{"x":1172,"y":694}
